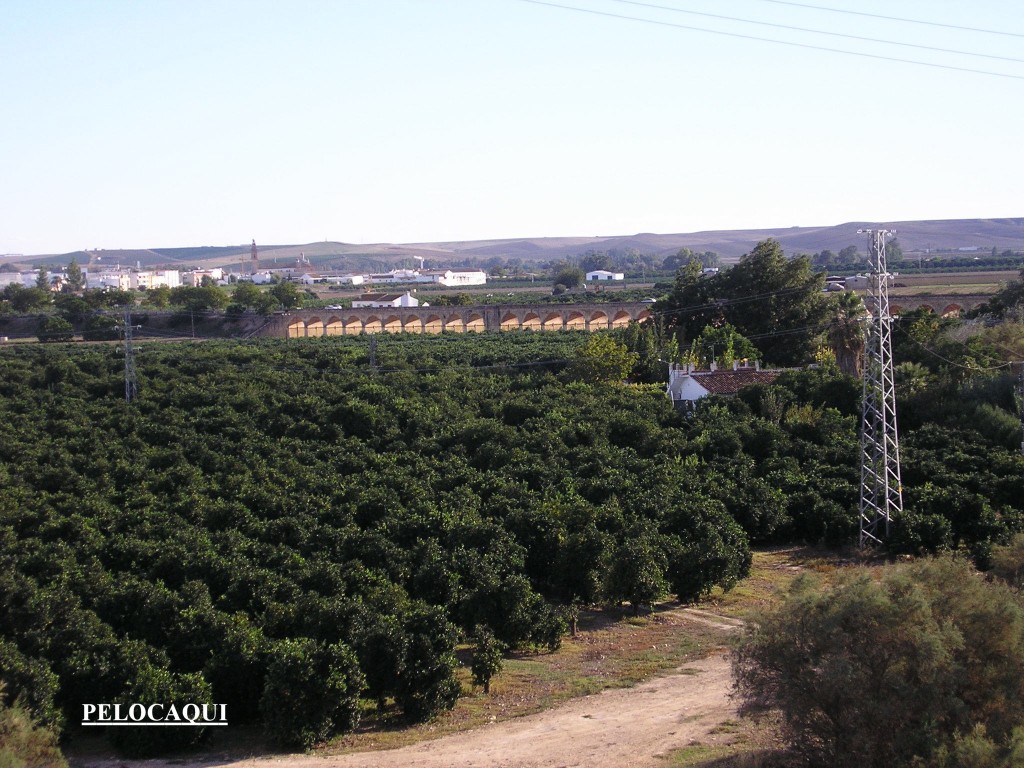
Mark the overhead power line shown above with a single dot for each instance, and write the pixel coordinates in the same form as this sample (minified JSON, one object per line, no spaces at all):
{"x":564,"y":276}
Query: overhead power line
{"x":820,"y":31}
{"x":806,"y":46}
{"x":896,"y":18}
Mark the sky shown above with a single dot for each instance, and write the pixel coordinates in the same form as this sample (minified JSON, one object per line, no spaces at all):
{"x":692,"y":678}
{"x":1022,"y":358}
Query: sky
{"x":160,"y":123}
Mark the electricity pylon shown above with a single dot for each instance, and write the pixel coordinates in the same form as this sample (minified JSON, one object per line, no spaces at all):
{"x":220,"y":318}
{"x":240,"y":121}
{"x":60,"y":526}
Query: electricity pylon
{"x":881,"y":492}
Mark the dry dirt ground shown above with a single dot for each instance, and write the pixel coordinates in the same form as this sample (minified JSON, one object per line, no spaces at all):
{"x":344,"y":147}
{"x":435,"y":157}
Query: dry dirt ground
{"x":634,"y":726}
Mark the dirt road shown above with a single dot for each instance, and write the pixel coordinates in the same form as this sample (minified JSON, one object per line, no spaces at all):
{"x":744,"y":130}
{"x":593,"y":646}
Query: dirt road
{"x":617,"y":727}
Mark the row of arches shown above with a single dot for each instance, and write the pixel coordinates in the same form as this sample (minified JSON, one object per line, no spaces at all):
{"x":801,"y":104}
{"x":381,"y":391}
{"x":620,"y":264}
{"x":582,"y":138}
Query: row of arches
{"x":566,"y":321}
{"x":353,"y":326}
{"x":474,"y":322}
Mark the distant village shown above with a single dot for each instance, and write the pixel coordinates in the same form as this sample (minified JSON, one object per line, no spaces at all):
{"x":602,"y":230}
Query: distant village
{"x":136,"y":278}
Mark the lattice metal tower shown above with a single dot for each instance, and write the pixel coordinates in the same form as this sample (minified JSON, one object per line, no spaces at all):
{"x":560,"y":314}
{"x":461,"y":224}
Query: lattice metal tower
{"x":131,"y":384}
{"x":881,"y":492}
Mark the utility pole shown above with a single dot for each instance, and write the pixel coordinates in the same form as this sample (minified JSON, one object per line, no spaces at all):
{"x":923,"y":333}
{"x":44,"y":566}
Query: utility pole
{"x":373,"y":353}
{"x":1020,"y":399}
{"x":881,"y":491}
{"x":131,"y":384}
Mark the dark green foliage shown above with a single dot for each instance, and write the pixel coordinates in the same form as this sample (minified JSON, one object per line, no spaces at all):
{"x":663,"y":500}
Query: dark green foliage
{"x":637,"y":572}
{"x":53,"y":328}
{"x":488,"y":657}
{"x":427,"y":685}
{"x":101,"y":328}
{"x":153,"y":685}
{"x":568,"y":276}
{"x":21,"y":299}
{"x":29,"y":682}
{"x":788,"y":297}
{"x":286,"y":294}
{"x":311,"y":693}
{"x":271,"y":491}
{"x":76,"y":279}
{"x":878,"y":672}
{"x":197,"y":299}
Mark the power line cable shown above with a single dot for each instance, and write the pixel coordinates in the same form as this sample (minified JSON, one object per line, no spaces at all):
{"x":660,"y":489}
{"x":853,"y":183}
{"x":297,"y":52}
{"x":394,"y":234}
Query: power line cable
{"x":792,"y":44}
{"x":943,"y":358}
{"x":844,"y":35}
{"x":896,"y":18}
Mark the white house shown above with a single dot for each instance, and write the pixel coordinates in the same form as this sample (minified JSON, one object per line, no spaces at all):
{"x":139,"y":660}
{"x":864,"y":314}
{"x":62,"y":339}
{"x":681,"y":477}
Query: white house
{"x":686,"y":385}
{"x":386,"y":300}
{"x":453,"y":277}
{"x":347,"y":279}
{"x":604,"y":274}
{"x":195,"y":277}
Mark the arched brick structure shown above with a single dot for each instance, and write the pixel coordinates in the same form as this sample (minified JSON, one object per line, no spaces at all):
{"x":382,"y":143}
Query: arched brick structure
{"x":508,"y":317}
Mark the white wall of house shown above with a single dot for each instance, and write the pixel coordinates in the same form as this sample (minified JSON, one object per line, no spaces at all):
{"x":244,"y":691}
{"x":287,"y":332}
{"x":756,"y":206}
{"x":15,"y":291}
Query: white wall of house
{"x":155,"y":278}
{"x":682,"y":386}
{"x":453,"y":278}
{"x":604,"y":274}
{"x":119,"y":281}
{"x":386,"y":300}
{"x":12,"y":278}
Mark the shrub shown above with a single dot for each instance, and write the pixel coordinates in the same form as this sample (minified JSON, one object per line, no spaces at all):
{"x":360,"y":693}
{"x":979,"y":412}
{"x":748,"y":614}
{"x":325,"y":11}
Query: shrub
{"x":53,"y":328}
{"x":881,"y":672}
{"x":1008,"y":562}
{"x":428,"y":685}
{"x":487,"y":657}
{"x":311,"y":693}
{"x":24,"y":743}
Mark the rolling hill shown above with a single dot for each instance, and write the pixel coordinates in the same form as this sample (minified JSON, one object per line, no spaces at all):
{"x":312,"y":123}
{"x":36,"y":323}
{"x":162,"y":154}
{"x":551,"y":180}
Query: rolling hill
{"x":949,"y":235}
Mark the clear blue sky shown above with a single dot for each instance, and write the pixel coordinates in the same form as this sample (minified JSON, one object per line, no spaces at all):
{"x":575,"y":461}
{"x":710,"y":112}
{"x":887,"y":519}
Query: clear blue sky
{"x":148,"y":123}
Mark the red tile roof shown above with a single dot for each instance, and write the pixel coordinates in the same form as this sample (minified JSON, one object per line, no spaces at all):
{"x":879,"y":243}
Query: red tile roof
{"x":729,"y":382}
{"x":380,"y":296}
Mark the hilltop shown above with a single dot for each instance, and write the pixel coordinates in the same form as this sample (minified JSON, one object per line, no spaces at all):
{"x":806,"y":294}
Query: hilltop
{"x":949,"y":235}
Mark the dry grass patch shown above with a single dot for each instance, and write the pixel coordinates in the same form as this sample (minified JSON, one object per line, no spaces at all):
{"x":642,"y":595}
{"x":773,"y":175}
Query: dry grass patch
{"x":609,"y":651}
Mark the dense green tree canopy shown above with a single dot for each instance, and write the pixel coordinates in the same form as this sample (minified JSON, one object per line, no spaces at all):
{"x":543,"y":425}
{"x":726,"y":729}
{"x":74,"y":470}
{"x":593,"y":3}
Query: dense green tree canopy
{"x":763,"y":295}
{"x":266,"y":508}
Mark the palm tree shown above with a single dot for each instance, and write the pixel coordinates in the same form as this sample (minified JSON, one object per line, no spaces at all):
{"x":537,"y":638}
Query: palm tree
{"x":846,"y":332}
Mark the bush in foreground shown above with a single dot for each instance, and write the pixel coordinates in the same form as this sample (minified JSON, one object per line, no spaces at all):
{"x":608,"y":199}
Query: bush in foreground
{"x":312,"y":692}
{"x":23,"y":742}
{"x":913,"y":665}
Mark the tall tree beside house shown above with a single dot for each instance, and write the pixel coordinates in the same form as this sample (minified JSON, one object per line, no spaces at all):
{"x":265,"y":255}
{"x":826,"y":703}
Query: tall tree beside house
{"x":75,"y":277}
{"x":43,"y":279}
{"x":778,"y":301}
{"x":846,"y":332}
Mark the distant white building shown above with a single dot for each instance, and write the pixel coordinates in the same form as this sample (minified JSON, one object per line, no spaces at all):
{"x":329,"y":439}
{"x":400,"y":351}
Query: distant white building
{"x":347,"y":279}
{"x":115,"y":280}
{"x":447,"y":277}
{"x":604,"y":274}
{"x":194,"y":278}
{"x":155,"y":278}
{"x":259,"y":278}
{"x":386,"y":300}
{"x":13,"y":278}
{"x":453,"y":277}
